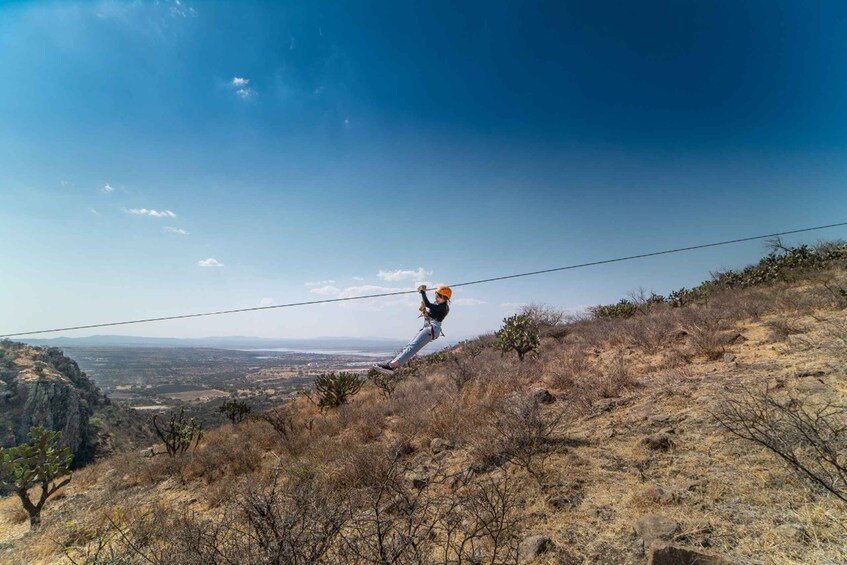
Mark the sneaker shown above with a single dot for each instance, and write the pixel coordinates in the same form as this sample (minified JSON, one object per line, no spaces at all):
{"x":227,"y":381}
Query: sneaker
{"x":384,"y":368}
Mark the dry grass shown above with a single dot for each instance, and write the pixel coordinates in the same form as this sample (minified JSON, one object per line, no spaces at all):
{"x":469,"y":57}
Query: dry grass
{"x":618,"y":381}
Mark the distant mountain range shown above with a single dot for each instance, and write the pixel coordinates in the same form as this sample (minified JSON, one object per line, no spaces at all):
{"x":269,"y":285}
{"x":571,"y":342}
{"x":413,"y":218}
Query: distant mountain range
{"x":227,"y":342}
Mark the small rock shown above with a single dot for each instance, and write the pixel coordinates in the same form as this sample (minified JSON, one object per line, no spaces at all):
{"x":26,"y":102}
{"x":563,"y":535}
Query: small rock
{"x":677,"y":555}
{"x":730,"y":338}
{"x":532,"y":547}
{"x":658,"y":442}
{"x":655,"y":527}
{"x":791,"y":532}
{"x":729,"y":357}
{"x":660,"y":419}
{"x":694,"y":486}
{"x":679,"y":335}
{"x":418,"y":478}
{"x":437,"y":445}
{"x":542,"y":396}
{"x":574,"y":460}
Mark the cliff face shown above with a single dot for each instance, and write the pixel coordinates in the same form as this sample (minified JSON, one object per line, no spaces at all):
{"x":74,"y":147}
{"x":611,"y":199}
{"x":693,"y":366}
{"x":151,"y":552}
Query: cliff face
{"x":42,"y":387}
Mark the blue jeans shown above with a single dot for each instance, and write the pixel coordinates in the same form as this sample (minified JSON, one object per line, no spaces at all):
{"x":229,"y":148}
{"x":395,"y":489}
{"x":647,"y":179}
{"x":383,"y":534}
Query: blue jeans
{"x":428,"y":333}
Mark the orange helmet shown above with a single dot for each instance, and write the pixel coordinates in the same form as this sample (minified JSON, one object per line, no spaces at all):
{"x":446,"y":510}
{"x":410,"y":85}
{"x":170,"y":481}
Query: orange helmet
{"x":444,"y":291}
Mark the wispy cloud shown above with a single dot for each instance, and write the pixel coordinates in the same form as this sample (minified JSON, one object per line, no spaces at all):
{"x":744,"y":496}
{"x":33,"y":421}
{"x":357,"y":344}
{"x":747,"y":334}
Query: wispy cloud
{"x":95,"y":212}
{"x":173,"y":230}
{"x":320,"y":283}
{"x":151,"y":213}
{"x":108,"y":188}
{"x":400,"y":275}
{"x":359,"y":279}
{"x":180,"y":9}
{"x":242,"y":90}
{"x":210,"y":262}
{"x":512,"y":306}
{"x":468,"y":302}
{"x":267,"y":302}
{"x":326,"y":290}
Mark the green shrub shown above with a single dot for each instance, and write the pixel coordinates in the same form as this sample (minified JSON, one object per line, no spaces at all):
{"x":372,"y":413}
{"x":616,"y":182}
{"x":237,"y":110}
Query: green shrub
{"x":335,"y":389}
{"x":623,"y":309}
{"x":519,"y":334}
{"x":40,"y":463}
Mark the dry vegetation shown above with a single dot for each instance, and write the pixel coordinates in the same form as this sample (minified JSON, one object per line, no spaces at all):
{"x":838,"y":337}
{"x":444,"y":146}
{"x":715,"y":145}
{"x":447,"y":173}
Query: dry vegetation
{"x":467,"y":456}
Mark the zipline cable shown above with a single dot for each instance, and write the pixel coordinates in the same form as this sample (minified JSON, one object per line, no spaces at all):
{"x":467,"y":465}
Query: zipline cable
{"x":397,"y":293}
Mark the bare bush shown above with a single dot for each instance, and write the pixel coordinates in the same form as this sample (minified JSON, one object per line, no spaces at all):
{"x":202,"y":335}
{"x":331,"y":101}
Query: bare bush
{"x":291,"y":519}
{"x":615,"y":376}
{"x":463,"y":363}
{"x":482,"y":525}
{"x":293,"y":430}
{"x":386,"y":383}
{"x":392,"y":516}
{"x":810,"y":437}
{"x":704,"y":329}
{"x":520,"y":432}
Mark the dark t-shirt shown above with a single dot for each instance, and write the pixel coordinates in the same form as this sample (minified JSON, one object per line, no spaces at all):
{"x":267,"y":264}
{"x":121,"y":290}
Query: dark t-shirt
{"x":436,"y":311}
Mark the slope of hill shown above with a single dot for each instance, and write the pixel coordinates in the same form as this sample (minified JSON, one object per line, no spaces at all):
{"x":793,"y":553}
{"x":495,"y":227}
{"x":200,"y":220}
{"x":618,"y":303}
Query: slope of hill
{"x":618,"y":434}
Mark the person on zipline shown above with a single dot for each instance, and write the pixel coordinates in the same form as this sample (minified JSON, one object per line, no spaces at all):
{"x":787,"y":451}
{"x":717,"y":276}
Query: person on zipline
{"x":433,"y":315}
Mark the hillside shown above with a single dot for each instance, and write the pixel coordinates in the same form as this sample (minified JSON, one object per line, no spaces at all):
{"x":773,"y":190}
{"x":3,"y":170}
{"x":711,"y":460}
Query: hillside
{"x":622,"y":430}
{"x":42,"y":387}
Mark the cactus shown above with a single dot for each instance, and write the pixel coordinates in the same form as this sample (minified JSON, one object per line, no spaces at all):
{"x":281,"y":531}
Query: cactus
{"x":40,"y":463}
{"x":179,"y":434}
{"x":335,"y":389}
{"x":236,"y":410}
{"x":519,"y":334}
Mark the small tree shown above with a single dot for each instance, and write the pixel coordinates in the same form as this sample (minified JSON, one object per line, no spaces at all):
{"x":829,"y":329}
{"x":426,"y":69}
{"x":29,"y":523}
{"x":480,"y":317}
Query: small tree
{"x":236,"y":410}
{"x":40,"y":463}
{"x":179,"y":434}
{"x":519,"y":334}
{"x":335,"y":389}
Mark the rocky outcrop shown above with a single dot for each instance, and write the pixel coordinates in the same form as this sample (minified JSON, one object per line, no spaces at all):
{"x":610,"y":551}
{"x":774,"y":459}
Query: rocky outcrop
{"x":42,"y":387}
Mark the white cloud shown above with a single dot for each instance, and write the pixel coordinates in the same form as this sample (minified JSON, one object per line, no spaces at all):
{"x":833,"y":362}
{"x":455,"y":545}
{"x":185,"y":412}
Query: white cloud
{"x":512,"y":306}
{"x":108,"y":188}
{"x":468,"y":302}
{"x":177,"y":231}
{"x":210,"y":262}
{"x":245,"y":93}
{"x":267,"y":302}
{"x":151,"y":213}
{"x":95,"y":212}
{"x":400,"y":275}
{"x":326,"y":290}
{"x":320,"y":283}
{"x":360,"y":279}
{"x":238,"y":81}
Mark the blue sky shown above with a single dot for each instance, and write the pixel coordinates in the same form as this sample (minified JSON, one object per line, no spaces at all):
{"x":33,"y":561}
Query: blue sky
{"x":161,"y":158}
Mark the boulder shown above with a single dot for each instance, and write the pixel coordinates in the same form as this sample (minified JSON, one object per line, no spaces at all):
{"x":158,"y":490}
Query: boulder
{"x":532,"y":547}
{"x":655,"y":527}
{"x":437,"y":445}
{"x":658,"y":442}
{"x":676,"y":555}
{"x":730,"y":338}
{"x":542,"y":396}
